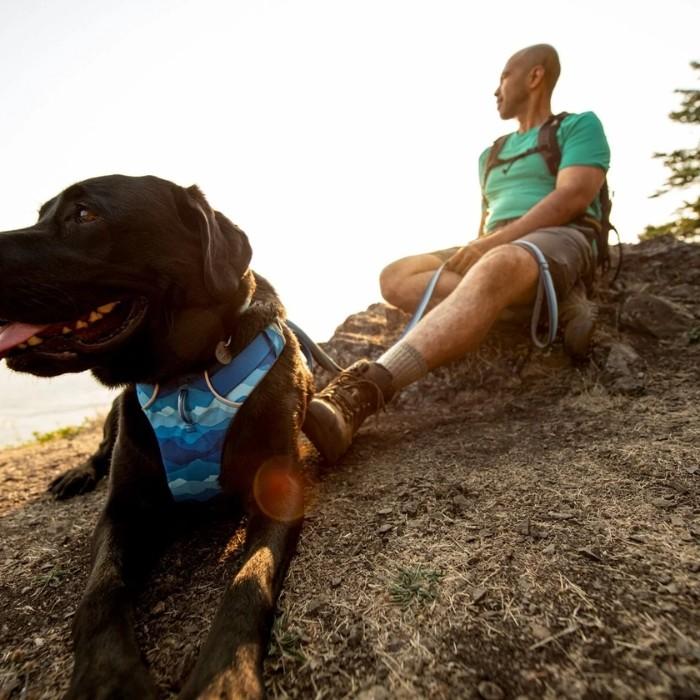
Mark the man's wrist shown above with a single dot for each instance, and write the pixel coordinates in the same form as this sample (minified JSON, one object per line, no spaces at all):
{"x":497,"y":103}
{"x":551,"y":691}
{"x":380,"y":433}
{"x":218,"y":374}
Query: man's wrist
{"x":481,"y":245}
{"x":508,"y":233}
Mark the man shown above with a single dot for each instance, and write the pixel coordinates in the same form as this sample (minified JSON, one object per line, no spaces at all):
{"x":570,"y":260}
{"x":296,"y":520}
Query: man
{"x":522,"y":201}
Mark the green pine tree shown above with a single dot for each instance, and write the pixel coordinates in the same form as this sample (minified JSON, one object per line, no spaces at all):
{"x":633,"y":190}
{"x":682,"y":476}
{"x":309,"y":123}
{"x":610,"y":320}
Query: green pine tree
{"x":684,"y":165}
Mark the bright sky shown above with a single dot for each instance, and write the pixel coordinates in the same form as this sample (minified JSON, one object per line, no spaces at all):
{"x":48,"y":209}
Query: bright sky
{"x":338,"y":135}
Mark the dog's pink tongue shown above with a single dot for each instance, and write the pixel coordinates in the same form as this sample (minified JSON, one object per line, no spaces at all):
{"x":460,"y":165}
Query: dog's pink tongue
{"x":15,"y":333}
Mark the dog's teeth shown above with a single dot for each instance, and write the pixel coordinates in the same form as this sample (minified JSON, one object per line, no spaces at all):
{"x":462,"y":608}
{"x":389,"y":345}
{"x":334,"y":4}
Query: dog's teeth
{"x":80,"y":324}
{"x":66,"y":330}
{"x":34,"y":341}
{"x":94,"y":316}
{"x":106,"y":308}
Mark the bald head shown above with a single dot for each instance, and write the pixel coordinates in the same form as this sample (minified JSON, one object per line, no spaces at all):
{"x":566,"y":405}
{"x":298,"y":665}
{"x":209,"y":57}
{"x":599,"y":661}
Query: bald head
{"x":540,"y":55}
{"x":528,"y":79}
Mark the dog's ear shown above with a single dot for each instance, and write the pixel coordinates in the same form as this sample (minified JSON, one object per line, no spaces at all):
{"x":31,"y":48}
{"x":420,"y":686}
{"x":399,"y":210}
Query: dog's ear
{"x":225,"y":248}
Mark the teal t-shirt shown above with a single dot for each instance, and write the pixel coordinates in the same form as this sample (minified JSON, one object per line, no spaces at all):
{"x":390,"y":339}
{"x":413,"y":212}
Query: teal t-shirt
{"x":512,"y":189}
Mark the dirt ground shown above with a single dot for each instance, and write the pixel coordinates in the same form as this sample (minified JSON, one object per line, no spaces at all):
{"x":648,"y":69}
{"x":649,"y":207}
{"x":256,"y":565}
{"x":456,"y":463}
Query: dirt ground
{"x":514,"y":526}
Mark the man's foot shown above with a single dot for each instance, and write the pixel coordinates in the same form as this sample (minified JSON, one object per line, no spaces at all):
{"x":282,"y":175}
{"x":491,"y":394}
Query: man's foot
{"x":578,"y":316}
{"x":335,"y":414}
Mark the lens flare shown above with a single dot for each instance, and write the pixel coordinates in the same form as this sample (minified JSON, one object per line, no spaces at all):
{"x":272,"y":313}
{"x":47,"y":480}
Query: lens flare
{"x":278,"y":490}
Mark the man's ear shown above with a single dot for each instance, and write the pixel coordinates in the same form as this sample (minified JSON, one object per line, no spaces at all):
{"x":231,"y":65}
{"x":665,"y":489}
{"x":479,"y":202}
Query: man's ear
{"x":536,"y":76}
{"x":226,"y":251}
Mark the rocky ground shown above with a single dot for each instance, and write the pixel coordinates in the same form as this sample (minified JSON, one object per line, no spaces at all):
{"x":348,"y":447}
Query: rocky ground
{"x":513,"y":526}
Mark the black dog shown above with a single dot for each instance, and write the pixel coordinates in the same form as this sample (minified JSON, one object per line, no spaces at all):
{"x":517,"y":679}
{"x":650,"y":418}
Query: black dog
{"x":143,"y":283}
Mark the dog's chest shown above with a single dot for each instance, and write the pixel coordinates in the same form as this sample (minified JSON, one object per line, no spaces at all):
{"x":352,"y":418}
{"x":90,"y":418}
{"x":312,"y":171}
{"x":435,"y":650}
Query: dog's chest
{"x":190,"y":418}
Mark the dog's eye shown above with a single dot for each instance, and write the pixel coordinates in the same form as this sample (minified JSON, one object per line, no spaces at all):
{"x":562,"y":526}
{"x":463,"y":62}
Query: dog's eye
{"x":83,"y":215}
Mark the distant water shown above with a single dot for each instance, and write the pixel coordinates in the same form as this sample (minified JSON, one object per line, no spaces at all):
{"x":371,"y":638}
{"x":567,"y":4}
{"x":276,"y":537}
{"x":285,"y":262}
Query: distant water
{"x":32,"y":404}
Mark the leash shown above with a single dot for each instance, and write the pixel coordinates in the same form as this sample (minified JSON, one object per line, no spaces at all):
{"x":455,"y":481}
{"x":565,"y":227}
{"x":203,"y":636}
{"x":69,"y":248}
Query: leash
{"x":424,"y":300}
{"x":312,"y":351}
{"x":545,"y":288}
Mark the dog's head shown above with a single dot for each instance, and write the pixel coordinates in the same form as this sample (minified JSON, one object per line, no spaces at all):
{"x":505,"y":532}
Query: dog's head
{"x":132,"y":277}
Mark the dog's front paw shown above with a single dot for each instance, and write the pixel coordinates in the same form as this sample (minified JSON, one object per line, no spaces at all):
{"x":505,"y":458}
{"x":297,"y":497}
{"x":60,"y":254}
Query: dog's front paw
{"x":74,"y":481}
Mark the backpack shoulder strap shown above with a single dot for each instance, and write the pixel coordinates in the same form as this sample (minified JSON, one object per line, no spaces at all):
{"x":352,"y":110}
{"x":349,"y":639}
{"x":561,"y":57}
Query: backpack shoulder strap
{"x":549,"y":147}
{"x":492,"y":158}
{"x":547,"y":142}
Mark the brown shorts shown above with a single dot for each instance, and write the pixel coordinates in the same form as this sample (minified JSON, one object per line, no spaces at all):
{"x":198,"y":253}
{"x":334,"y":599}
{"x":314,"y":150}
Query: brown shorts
{"x":565,"y":248}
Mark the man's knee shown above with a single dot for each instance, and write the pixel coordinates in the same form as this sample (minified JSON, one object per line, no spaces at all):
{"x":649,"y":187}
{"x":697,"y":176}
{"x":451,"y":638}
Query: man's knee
{"x":507,"y":270}
{"x":398,"y":279}
{"x":508,"y":259}
{"x":390,"y":279}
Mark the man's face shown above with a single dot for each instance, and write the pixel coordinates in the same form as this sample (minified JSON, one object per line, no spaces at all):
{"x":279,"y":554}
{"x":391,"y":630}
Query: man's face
{"x":512,"y":93}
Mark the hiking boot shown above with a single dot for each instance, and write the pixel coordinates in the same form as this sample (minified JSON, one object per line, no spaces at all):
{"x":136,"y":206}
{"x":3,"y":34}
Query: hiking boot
{"x":578,"y":316}
{"x":335,"y":414}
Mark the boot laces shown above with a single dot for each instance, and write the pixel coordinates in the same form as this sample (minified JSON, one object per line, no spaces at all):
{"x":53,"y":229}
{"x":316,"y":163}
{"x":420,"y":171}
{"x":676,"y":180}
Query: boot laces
{"x":354,"y":394}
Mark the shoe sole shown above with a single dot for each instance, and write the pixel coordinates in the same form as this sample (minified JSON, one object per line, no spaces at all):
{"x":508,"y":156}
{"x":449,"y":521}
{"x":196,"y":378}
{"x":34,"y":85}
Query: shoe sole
{"x":315,"y":427}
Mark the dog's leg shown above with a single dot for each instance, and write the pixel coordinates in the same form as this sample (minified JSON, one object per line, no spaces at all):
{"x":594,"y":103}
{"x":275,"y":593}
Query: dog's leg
{"x":84,"y":477}
{"x":107,"y":659}
{"x":108,"y":663}
{"x":230,"y":661}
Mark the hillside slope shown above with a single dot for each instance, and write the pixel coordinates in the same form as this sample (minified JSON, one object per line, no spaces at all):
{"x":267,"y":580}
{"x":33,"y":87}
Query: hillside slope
{"x":513,"y":526}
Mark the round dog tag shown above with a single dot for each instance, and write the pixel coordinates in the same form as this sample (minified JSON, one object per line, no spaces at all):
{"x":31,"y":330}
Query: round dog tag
{"x":223,"y":353}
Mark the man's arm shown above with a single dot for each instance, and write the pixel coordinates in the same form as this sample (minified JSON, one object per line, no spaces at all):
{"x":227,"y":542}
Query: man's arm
{"x":575,"y":189}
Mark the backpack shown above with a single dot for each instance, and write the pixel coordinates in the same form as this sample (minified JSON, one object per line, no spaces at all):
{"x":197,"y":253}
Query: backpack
{"x":548,"y":147}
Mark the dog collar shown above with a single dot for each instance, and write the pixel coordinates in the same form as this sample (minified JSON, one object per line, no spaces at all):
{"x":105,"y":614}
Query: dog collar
{"x":190,"y":417}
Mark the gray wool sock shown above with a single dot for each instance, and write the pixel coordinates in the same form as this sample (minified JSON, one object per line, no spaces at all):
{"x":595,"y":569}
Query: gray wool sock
{"x":405,"y":364}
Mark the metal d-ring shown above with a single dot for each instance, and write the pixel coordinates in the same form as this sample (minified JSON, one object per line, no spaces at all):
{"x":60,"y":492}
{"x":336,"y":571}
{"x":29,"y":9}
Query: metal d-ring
{"x":217,"y":395}
{"x":154,"y":396}
{"x":182,"y":406}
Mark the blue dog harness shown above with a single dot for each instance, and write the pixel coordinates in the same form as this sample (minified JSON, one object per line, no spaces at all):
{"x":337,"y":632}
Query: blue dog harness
{"x":190,"y":417}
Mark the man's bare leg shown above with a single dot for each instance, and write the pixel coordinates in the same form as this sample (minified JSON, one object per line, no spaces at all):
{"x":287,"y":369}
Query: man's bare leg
{"x":403,"y":282}
{"x":505,"y":276}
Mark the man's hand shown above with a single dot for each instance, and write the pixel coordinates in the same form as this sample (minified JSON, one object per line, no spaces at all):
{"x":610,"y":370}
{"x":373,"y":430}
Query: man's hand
{"x":465,"y":257}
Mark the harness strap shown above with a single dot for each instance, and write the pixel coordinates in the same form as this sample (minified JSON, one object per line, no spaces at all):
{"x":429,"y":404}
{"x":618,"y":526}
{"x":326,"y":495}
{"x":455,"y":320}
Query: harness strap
{"x":547,"y":146}
{"x":191,"y":417}
{"x":492,"y":161}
